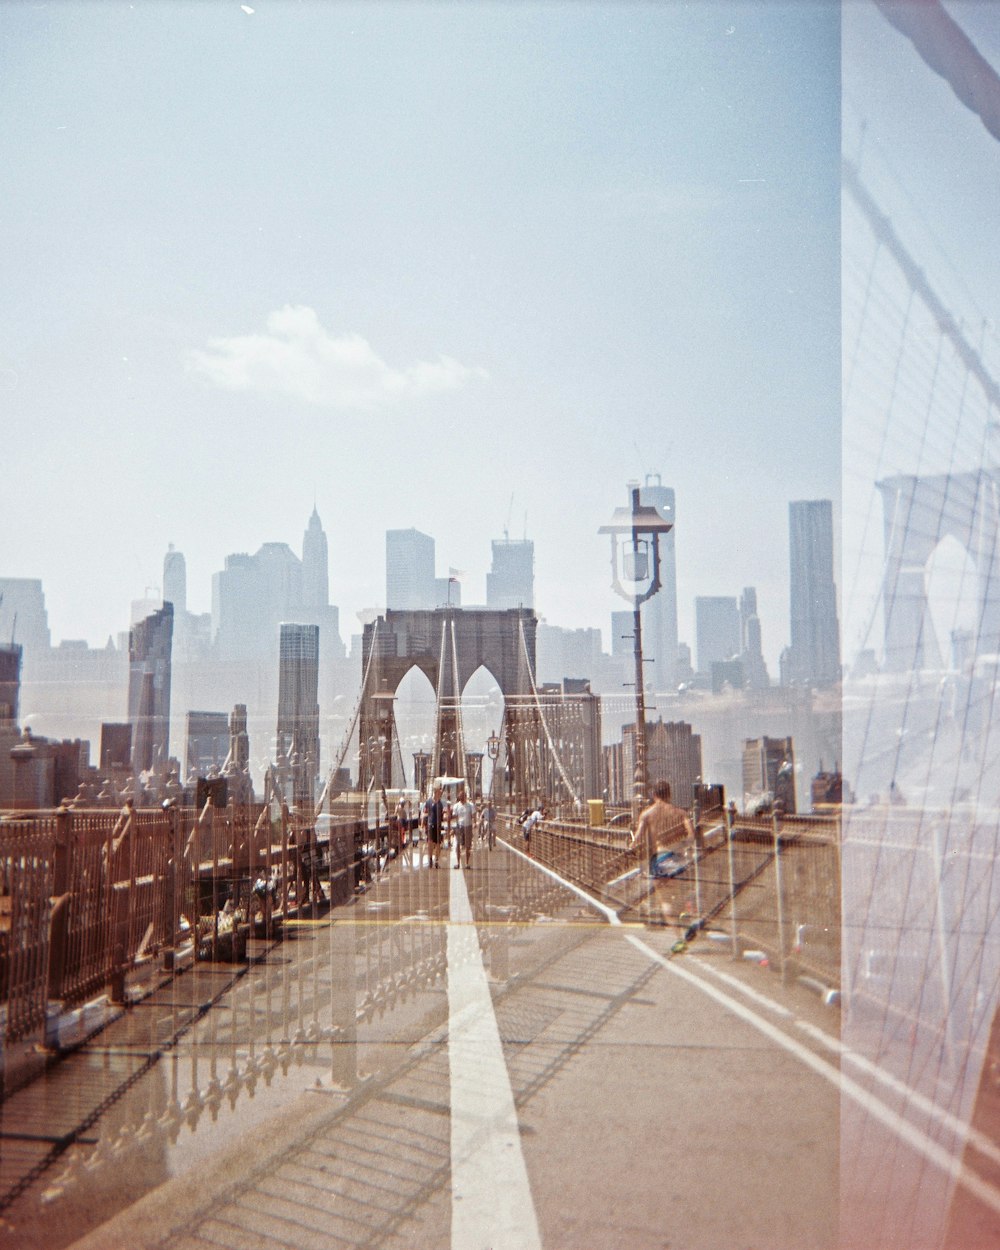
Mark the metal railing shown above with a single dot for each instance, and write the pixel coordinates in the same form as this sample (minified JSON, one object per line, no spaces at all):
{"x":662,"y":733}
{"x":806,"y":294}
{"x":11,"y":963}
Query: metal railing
{"x":89,"y":898}
{"x":773,"y":885}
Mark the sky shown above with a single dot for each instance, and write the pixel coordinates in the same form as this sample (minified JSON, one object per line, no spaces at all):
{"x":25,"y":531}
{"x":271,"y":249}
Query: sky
{"x":466,"y":268}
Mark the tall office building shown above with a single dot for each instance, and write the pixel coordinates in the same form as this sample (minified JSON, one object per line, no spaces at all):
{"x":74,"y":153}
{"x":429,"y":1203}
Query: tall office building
{"x":298,"y":708}
{"x":622,"y":635}
{"x":251,"y":597}
{"x":409,"y":570}
{"x":23,"y":618}
{"x":510,"y":583}
{"x":10,"y":684}
{"x":769,"y":769}
{"x":659,"y":615}
{"x":813,"y":658}
{"x":207,"y":743}
{"x":175,"y":581}
{"x":116,"y":748}
{"x":754,"y":669}
{"x":149,"y":652}
{"x":717,"y":623}
{"x":315,"y":565}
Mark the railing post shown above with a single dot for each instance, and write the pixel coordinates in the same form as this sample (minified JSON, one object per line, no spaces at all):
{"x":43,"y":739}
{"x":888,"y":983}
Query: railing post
{"x":778,"y":891}
{"x":284,"y":861}
{"x":59,"y":917}
{"x":732,"y":881}
{"x":172,"y":892}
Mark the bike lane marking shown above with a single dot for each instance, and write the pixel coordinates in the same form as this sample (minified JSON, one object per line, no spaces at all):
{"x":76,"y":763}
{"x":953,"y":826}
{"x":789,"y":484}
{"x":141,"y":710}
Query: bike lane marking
{"x":491,"y":1203}
{"x":938,"y":1156}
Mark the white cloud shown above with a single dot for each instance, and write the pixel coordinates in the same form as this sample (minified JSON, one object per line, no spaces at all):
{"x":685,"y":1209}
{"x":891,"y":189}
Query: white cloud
{"x":299,"y":358}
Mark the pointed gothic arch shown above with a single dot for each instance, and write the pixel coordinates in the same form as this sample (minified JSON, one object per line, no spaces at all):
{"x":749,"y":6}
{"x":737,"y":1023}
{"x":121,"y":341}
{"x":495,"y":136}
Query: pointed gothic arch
{"x":919,"y":512}
{"x":448,"y":645}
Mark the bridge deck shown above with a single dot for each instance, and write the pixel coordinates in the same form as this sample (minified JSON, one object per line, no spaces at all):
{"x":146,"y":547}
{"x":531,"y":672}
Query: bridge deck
{"x":471,"y":1058}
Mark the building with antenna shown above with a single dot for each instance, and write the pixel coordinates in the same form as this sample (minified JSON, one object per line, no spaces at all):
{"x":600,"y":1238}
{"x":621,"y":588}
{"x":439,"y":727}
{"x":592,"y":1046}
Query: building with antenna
{"x":510,"y":583}
{"x":23,"y":618}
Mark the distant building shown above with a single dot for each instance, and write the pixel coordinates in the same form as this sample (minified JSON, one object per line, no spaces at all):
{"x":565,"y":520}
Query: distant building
{"x":149,"y":652}
{"x":717,"y":622}
{"x":728,"y":675}
{"x":813,"y":656}
{"x":563,"y":652}
{"x":10,"y":683}
{"x":409,"y":570}
{"x":41,"y":773}
{"x":251,"y":597}
{"x":622,"y":635}
{"x":673,"y":753}
{"x":829,"y":789}
{"x":510,"y":582}
{"x":410,"y":583}
{"x":298,"y":708}
{"x":23,"y":618}
{"x":315,"y":565}
{"x":769,"y":772}
{"x":237,"y":770}
{"x":175,"y":580}
{"x":754,"y":669}
{"x":116,"y":748}
{"x":207,"y":743}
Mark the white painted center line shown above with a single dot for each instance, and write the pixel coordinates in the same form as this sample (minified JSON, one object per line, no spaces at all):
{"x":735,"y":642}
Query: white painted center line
{"x":491,"y":1203}
{"x":950,"y":1163}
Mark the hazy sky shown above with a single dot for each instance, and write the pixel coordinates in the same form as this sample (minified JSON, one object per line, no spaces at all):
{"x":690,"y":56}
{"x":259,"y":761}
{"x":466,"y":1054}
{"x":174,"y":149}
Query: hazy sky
{"x":408,"y":261}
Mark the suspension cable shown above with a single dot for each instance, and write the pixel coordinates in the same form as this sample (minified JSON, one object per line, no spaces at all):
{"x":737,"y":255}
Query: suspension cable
{"x":541,"y":716}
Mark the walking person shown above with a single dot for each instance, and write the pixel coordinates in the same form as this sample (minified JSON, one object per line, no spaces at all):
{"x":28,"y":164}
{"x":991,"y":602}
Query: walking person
{"x":490,"y":823}
{"x":661,"y":830}
{"x":462,"y":814}
{"x":434,"y":819}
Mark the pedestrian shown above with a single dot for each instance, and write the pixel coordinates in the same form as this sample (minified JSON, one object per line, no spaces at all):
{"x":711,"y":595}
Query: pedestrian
{"x":661,"y":829}
{"x":434,"y":818}
{"x":490,"y":823}
{"x":528,"y":824}
{"x":462,"y":813}
{"x":398,"y":827}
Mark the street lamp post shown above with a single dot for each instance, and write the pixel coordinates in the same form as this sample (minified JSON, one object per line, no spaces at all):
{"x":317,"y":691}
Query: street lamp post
{"x":493,"y":751}
{"x":635,"y":559}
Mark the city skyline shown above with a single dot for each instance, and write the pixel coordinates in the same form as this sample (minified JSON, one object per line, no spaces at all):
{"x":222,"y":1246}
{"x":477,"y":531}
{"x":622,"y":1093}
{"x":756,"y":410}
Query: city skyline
{"x":310,"y":570}
{"x":477,"y":270}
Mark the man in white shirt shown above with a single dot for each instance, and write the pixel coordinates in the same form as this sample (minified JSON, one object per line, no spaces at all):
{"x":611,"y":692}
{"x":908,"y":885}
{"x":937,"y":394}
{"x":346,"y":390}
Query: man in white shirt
{"x":462,"y":815}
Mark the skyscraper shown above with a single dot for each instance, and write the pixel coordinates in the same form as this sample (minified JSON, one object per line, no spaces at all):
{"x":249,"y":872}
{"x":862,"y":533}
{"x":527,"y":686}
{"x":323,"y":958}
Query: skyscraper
{"x":149,"y":651}
{"x":813,"y":657}
{"x":754,"y":668}
{"x":510,"y":583}
{"x":769,"y":769}
{"x":10,"y":684}
{"x":409,"y":570}
{"x":315,"y":565}
{"x":717,"y":622}
{"x":659,"y":615}
{"x":175,"y":580}
{"x":23,"y":618}
{"x":207,"y":742}
{"x":251,"y":597}
{"x":298,"y":707}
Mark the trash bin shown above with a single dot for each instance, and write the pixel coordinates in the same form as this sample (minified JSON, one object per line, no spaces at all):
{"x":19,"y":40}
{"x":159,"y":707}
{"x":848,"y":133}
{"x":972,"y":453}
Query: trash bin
{"x":596,"y":810}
